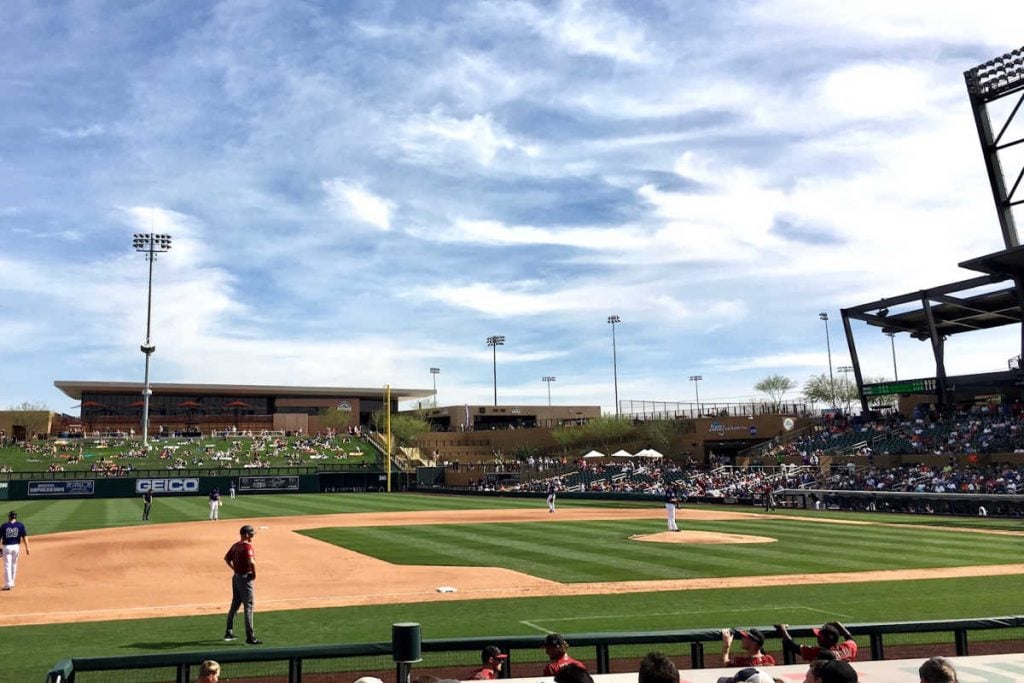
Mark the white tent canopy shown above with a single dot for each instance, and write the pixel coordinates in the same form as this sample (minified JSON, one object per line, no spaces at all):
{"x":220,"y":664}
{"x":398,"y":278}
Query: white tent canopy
{"x":649,"y":453}
{"x":622,"y":454}
{"x":595,"y":454}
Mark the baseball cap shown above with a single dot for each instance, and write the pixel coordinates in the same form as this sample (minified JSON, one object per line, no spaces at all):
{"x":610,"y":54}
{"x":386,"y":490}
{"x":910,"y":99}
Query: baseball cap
{"x":748,"y":675}
{"x":837,"y":672}
{"x":753,"y":634}
{"x":12,"y":515}
{"x":492,"y":651}
{"x":247,"y":529}
{"x":827,"y":633}
{"x":555,"y":640}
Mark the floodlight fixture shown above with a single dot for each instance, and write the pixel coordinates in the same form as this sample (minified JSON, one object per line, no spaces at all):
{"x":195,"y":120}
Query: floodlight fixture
{"x":696,"y":391}
{"x":997,"y":77}
{"x":548,"y":380}
{"x":433,"y":374}
{"x":614,"y":320}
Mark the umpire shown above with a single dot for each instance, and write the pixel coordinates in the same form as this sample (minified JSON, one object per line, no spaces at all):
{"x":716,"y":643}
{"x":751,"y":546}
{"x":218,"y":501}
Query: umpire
{"x":241,"y":558}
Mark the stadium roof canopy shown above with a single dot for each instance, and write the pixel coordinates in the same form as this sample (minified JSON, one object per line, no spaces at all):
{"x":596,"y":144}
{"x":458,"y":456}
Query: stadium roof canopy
{"x":75,"y":389}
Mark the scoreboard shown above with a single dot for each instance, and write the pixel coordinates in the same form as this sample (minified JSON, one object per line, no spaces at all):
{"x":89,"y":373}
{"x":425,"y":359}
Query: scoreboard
{"x":910,"y":386}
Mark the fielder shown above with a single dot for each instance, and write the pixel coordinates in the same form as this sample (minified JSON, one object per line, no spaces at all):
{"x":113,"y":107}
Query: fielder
{"x":215,"y":504}
{"x":241,"y":558}
{"x":552,"y":489}
{"x":14,"y":535}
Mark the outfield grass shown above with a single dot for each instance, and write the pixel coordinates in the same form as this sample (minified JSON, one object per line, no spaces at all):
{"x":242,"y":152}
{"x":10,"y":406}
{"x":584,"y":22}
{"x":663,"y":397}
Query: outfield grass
{"x":571,"y":552}
{"x":808,"y":544}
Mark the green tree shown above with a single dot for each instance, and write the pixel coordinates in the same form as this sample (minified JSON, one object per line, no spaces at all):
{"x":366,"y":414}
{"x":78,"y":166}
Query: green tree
{"x":338,"y":420}
{"x":659,"y":434}
{"x":775,"y":386}
{"x":834,"y":392}
{"x":404,"y":428}
{"x":34,"y":417}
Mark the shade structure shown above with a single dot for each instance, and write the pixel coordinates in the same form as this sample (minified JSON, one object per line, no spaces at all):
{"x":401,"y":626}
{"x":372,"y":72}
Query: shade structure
{"x":649,"y":453}
{"x":595,"y":454}
{"x":190,"y":404}
{"x":238,"y":404}
{"x":622,"y":453}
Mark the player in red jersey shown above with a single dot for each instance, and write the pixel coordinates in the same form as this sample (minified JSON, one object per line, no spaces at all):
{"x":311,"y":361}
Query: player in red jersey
{"x":558,"y":652}
{"x":491,"y":659}
{"x":752,"y":642}
{"x":241,"y":558}
{"x":833,"y":637}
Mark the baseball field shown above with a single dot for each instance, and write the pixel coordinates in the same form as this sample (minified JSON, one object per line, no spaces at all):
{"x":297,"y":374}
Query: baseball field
{"x":343,"y":567}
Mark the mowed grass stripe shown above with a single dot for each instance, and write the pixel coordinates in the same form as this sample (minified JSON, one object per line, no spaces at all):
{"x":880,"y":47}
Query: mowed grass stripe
{"x":601,"y":551}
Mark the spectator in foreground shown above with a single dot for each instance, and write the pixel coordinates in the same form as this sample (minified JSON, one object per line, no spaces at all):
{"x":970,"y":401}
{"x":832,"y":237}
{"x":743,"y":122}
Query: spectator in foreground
{"x":752,"y":642}
{"x":749,"y":675}
{"x":832,"y":637}
{"x":830,"y":671}
{"x":558,"y":653}
{"x":491,"y":659}
{"x":573,"y":673}
{"x":209,"y":672}
{"x":937,"y":670}
{"x":657,"y":668}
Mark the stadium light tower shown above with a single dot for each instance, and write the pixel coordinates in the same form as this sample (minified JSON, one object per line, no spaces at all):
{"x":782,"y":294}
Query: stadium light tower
{"x":433,"y":374}
{"x":695,"y":379}
{"x":892,"y":342}
{"x":846,"y":370}
{"x":614,"y":320}
{"x":494,"y":342}
{"x":548,"y":381}
{"x":828,"y":345}
{"x":149,"y":244}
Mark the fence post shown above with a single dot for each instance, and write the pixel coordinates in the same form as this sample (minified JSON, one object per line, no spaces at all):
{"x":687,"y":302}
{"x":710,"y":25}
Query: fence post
{"x":877,"y":647}
{"x":697,"y":654}
{"x":295,"y":670}
{"x":406,"y":648}
{"x":182,"y":674}
{"x":603,"y":658}
{"x":960,"y":635}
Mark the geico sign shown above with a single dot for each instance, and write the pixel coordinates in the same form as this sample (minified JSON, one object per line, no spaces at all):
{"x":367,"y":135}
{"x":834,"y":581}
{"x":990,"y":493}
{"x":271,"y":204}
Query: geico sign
{"x":167,"y":485}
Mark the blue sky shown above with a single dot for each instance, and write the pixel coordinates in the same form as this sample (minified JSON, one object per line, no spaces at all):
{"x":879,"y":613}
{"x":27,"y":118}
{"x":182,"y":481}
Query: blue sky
{"x":360,"y":191}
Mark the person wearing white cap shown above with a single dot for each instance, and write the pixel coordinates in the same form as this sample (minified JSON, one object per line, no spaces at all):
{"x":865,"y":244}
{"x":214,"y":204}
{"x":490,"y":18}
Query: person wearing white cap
{"x":748,"y":675}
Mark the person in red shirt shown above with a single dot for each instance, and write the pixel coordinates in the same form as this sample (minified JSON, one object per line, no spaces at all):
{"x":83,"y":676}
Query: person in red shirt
{"x":491,"y":659}
{"x":241,"y":558}
{"x":833,"y":637}
{"x":558,"y":652}
{"x":752,"y":642}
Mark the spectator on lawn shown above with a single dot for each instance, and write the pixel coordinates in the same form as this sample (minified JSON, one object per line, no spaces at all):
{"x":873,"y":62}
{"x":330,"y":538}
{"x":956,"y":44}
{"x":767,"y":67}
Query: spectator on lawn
{"x":491,"y":659}
{"x":657,"y":668}
{"x":833,"y":637}
{"x":937,"y":670}
{"x":752,"y":642}
{"x":558,"y":653}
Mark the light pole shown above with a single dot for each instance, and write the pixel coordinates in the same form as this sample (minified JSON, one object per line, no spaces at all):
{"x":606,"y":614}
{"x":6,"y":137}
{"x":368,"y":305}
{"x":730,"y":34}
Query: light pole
{"x":695,"y":379}
{"x":433,"y":374}
{"x":846,"y":370}
{"x":828,"y":345}
{"x":494,"y":342}
{"x":892,"y":342}
{"x":548,"y":380}
{"x":614,"y":320}
{"x":149,"y":244}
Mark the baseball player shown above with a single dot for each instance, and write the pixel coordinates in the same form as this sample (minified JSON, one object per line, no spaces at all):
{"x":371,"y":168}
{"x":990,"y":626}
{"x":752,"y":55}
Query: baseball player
{"x":241,"y":558}
{"x":671,"y":503}
{"x":552,"y":489}
{"x":14,"y":535}
{"x":557,"y":651}
{"x":231,"y":490}
{"x":491,"y":658}
{"x":215,"y":504}
{"x":147,"y":504}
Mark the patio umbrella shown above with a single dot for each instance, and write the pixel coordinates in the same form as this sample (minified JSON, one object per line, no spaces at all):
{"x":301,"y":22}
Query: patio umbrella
{"x":189,"y":406}
{"x":237,"y":405}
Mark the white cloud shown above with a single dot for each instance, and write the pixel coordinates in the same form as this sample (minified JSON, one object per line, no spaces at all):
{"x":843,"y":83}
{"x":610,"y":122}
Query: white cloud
{"x":436,"y":138}
{"x":354,"y":200}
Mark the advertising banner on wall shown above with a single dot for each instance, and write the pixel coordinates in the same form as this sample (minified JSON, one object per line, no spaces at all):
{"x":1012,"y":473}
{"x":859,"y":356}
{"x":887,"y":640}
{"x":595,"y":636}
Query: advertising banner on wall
{"x":170,"y":485}
{"x":77,"y":487}
{"x":290,"y":483}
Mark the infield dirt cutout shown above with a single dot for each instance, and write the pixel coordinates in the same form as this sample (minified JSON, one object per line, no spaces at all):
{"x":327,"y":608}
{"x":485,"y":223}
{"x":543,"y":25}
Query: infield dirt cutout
{"x":164,"y":570}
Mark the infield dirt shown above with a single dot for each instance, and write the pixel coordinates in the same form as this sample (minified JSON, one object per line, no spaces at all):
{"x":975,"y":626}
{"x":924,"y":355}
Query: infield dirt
{"x":168,"y":570}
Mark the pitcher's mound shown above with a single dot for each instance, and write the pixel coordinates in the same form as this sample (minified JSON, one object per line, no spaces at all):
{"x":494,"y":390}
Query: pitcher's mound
{"x":699,"y":537}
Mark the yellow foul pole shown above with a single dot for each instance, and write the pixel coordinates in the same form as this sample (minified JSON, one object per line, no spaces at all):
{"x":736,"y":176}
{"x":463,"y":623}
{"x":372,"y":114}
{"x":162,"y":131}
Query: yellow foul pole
{"x":387,"y":423}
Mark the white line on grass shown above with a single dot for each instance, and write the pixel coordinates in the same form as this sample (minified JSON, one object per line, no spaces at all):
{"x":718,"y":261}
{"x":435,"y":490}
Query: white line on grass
{"x":532,"y":624}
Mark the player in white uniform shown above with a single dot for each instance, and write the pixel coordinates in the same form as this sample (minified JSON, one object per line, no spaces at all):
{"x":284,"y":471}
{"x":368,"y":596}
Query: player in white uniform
{"x":552,"y":489}
{"x":13,"y":535}
{"x":215,"y":504}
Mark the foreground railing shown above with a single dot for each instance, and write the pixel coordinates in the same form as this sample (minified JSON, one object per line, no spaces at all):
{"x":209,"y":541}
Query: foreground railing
{"x":603,"y":652}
